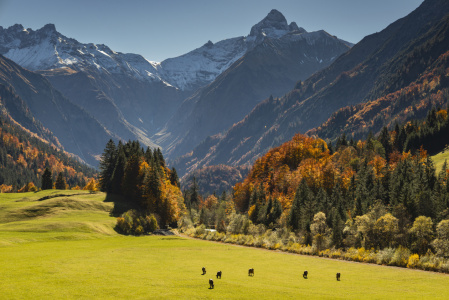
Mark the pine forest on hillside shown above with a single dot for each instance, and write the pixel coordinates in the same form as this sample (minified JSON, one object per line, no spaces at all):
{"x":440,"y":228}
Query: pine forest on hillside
{"x":25,"y":157}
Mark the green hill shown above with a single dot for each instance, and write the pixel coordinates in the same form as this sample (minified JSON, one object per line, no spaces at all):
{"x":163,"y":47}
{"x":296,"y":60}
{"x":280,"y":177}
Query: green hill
{"x":54,"y":215}
{"x":440,"y":158}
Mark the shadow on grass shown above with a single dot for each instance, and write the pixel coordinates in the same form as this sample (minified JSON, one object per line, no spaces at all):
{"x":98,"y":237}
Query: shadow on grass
{"x":120,"y":204}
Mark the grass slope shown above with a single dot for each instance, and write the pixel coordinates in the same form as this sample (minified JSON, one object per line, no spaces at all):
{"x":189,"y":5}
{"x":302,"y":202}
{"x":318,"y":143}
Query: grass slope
{"x":439,"y":159}
{"x":54,"y":215}
{"x":65,"y":247}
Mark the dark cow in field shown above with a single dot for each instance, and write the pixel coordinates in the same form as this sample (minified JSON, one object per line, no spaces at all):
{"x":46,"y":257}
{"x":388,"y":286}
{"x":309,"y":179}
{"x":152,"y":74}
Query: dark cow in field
{"x":211,"y":283}
{"x":219,"y":274}
{"x":305,"y":274}
{"x":251,"y":272}
{"x":338,"y":276}
{"x":204,"y":270}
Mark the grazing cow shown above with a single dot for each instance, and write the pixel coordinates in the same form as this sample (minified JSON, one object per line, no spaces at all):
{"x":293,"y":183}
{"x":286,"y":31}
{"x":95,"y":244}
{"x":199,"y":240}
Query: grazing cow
{"x":219,"y":274}
{"x":338,"y":276}
{"x":305,"y":274}
{"x":211,"y":283}
{"x":204,"y":270}
{"x":251,"y":272}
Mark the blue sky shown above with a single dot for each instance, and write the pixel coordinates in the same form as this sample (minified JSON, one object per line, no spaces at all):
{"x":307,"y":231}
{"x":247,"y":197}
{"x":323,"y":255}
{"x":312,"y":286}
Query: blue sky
{"x":168,"y":28}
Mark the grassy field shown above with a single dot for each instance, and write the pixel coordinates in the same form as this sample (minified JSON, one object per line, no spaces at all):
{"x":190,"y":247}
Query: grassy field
{"x":65,"y":247}
{"x":439,"y":160}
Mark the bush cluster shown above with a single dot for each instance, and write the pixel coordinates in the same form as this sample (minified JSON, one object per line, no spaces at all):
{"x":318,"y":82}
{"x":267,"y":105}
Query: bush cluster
{"x":133,"y":222}
{"x":284,"y":240}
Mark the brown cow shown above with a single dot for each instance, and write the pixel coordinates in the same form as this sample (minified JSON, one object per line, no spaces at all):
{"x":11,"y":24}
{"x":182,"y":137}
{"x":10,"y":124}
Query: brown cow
{"x":219,"y":274}
{"x":251,"y":272}
{"x":204,"y":270}
{"x":211,"y":283}
{"x":305,"y":274}
{"x":338,"y":276}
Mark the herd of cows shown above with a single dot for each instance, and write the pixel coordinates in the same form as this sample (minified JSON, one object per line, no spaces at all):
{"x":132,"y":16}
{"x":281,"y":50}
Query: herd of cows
{"x":250,"y":273}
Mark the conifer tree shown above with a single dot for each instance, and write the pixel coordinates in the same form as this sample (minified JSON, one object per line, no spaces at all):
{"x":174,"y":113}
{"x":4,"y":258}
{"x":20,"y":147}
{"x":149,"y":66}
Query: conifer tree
{"x":276,"y":211}
{"x":60,"y":183}
{"x":132,"y":180}
{"x":194,"y":193}
{"x":47,"y":181}
{"x":119,"y":171}
{"x":153,"y":191}
{"x":298,"y":215}
{"x":160,"y":157}
{"x":384,"y":139}
{"x":148,"y":155}
{"x":107,"y":165}
{"x":337,"y":229}
{"x":174,"y":179}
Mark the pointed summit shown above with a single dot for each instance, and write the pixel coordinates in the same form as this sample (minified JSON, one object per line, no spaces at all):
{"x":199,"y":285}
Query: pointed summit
{"x":274,"y":25}
{"x":49,"y":27}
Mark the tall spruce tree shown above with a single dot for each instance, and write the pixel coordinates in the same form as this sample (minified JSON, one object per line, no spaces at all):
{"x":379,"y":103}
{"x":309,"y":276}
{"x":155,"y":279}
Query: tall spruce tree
{"x":153,"y":192}
{"x":107,"y":165}
{"x":132,"y":180}
{"x":47,"y":181}
{"x":60,"y":183}
{"x":301,"y":212}
{"x":119,"y":170}
{"x":174,"y":179}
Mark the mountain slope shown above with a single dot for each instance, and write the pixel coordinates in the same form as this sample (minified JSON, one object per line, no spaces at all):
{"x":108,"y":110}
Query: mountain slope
{"x":24,"y":155}
{"x":364,"y":73}
{"x":278,"y":59}
{"x":75,"y":129}
{"x":122,"y":91}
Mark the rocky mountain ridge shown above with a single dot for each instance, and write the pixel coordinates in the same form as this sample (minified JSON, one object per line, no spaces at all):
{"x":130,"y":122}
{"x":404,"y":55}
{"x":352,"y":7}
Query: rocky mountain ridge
{"x":374,"y":68}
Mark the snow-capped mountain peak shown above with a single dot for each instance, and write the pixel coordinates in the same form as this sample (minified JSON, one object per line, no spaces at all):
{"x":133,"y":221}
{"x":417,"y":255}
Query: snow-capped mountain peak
{"x":274,"y":26}
{"x":46,"y":49}
{"x":202,"y":65}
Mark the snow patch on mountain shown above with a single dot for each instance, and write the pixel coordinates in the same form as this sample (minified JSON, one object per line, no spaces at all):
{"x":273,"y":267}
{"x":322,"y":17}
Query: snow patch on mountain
{"x":201,"y":66}
{"x":46,"y":49}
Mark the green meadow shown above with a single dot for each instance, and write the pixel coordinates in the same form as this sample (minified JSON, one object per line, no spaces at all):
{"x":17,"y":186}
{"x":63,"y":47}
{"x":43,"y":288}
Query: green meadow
{"x":439,"y":159}
{"x":61,"y":244}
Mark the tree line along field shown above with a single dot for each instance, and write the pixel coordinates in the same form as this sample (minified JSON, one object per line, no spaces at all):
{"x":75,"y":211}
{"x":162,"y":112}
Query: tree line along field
{"x":65,"y":247}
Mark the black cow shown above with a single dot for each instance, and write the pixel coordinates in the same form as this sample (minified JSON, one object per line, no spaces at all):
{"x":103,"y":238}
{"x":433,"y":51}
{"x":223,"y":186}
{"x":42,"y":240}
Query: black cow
{"x":338,"y":276}
{"x":305,"y":274}
{"x":219,"y":274}
{"x":251,"y":272}
{"x":204,"y":270}
{"x":211,"y":283}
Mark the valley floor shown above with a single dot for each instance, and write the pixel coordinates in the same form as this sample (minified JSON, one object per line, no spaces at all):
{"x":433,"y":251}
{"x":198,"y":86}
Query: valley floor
{"x":71,"y":251}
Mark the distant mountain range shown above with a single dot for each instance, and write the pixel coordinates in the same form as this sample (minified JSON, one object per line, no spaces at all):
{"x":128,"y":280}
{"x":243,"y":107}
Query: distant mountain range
{"x":382,"y":64}
{"x":228,"y":102}
{"x":131,"y":97}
